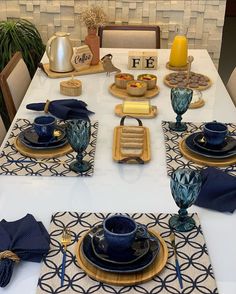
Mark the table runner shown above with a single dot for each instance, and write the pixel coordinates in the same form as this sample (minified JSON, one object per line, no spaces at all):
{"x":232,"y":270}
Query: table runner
{"x":55,"y":167}
{"x":175,"y":159}
{"x":193,"y":257}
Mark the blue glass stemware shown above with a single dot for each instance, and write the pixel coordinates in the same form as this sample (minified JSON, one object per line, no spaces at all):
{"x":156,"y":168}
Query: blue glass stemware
{"x":78,"y":133}
{"x":185,"y":186}
{"x":180,"y":100}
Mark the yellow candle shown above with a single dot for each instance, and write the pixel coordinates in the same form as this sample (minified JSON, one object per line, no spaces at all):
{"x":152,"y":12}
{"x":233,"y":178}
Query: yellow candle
{"x":179,"y":51}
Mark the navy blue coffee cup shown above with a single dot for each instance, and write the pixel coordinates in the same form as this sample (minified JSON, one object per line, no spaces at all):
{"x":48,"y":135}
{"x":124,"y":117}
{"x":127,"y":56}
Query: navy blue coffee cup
{"x":119,"y":232}
{"x":44,"y":126}
{"x":215,"y":132}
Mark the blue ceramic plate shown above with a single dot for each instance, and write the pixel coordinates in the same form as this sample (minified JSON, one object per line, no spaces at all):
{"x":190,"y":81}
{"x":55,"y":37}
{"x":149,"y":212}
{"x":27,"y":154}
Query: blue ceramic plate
{"x":138,"y":265}
{"x":228,"y":145}
{"x":139,"y":248}
{"x":190,"y":144}
{"x":30,"y":139}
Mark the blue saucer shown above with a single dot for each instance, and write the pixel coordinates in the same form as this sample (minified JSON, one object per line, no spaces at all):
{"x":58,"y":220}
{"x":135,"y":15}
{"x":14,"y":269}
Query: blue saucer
{"x":139,"y":248}
{"x":30,"y":139}
{"x":191,"y":146}
{"x":138,"y":265}
{"x":228,"y":144}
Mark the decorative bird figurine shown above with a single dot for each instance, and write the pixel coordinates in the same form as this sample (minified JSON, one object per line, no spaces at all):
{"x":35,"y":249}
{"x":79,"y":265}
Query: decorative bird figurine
{"x":107,"y":64}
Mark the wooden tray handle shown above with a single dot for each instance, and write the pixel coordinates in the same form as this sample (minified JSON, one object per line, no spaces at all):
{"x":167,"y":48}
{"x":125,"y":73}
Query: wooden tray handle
{"x":126,"y":159}
{"x":124,"y":117}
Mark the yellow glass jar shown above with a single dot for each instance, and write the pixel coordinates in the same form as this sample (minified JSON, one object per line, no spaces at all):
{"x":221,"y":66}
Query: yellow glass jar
{"x":179,"y":51}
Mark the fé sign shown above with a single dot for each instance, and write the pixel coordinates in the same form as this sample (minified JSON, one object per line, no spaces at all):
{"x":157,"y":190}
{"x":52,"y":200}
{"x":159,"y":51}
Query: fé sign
{"x":142,"y":60}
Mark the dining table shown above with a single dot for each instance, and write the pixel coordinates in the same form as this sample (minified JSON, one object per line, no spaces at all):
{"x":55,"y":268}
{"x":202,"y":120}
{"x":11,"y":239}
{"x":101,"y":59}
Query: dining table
{"x":114,"y":187}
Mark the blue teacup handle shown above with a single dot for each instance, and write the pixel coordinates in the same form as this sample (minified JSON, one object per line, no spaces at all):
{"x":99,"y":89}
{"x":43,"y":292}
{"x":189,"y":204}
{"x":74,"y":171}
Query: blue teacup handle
{"x":143,"y":234}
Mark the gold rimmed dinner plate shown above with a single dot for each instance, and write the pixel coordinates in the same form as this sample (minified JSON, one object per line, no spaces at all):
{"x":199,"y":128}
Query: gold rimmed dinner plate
{"x":151,"y":114}
{"x":42,"y":153}
{"x":127,"y":279}
{"x":122,"y":93}
{"x":202,"y":160}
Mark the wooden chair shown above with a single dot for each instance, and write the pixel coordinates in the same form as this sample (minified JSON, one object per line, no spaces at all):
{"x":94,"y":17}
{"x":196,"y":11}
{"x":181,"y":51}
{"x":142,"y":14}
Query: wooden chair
{"x":14,"y":81}
{"x":231,"y":86}
{"x":129,"y":36}
{"x":2,"y":130}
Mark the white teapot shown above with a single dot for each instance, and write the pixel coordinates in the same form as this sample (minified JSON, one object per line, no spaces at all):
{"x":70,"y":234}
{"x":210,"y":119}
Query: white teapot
{"x":59,"y":51}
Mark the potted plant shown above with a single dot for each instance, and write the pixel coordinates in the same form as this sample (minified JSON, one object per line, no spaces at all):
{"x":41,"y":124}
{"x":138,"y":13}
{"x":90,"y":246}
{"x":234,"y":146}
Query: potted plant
{"x":19,"y":35}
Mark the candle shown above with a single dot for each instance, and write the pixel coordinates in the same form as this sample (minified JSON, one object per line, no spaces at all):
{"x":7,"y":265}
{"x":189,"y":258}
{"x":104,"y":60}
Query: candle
{"x":179,"y":51}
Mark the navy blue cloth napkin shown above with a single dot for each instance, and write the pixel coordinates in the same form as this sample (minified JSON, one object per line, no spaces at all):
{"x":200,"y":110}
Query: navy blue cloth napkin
{"x":218,"y":190}
{"x":25,"y":237}
{"x":64,"y":108}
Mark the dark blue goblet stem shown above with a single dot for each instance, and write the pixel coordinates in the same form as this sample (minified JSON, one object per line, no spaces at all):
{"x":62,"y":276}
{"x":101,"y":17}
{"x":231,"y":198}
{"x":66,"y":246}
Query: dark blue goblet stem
{"x":182,"y":214}
{"x":79,"y":158}
{"x":178,"y":120}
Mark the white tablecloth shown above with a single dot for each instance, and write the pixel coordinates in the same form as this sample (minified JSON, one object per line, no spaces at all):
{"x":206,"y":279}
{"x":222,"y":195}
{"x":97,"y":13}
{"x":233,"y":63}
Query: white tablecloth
{"x":121,"y":188}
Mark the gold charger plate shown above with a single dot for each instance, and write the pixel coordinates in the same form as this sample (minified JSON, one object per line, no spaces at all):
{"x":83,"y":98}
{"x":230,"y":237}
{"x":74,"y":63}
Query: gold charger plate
{"x":181,"y":68}
{"x":198,"y":104}
{"x":199,"y":87}
{"x":205,"y":161}
{"x":42,"y":153}
{"x":127,"y":279}
{"x":151,"y":114}
{"x":116,"y":149}
{"x":91,"y":70}
{"x":122,"y":93}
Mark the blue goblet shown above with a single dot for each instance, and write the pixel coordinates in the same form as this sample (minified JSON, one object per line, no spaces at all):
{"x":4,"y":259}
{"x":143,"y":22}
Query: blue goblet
{"x":78,"y":133}
{"x":185,"y":186}
{"x":180,"y":100}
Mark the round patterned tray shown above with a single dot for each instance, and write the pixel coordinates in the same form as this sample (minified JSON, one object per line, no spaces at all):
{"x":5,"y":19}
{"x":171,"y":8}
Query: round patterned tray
{"x":127,"y":279}
{"x":196,"y":81}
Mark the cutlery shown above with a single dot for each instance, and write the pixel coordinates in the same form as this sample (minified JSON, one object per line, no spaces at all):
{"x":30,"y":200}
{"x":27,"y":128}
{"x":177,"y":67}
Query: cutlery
{"x":65,"y":241}
{"x":177,"y":267}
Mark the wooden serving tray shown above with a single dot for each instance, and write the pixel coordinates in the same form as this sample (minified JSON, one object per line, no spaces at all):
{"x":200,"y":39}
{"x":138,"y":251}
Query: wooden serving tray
{"x":205,"y":161}
{"x":116,"y":150}
{"x":42,"y":153}
{"x":127,"y":279}
{"x":168,"y":77}
{"x":119,"y":112}
{"x":91,"y":70}
{"x":122,"y":93}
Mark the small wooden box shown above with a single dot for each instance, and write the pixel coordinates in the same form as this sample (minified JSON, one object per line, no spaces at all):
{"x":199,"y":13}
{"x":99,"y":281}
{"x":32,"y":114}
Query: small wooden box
{"x":135,"y":60}
{"x":71,"y":87}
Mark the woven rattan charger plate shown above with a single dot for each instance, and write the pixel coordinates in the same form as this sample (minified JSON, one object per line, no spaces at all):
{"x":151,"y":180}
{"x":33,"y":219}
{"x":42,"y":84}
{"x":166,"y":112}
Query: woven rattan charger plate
{"x":202,"y":160}
{"x":42,"y":153}
{"x":126,"y":279}
{"x":122,"y":93}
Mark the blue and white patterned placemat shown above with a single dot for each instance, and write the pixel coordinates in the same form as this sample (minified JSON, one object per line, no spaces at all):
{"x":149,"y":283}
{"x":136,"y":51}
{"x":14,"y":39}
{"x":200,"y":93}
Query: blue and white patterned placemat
{"x":175,"y":159}
{"x":193,"y":257}
{"x":26,"y":166}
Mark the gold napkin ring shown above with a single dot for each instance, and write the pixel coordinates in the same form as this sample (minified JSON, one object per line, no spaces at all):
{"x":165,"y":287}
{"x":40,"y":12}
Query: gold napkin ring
{"x":7,"y":254}
{"x":46,"y":106}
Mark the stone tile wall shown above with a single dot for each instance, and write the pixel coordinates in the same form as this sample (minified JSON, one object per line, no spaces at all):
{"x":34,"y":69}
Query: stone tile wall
{"x":204,"y":19}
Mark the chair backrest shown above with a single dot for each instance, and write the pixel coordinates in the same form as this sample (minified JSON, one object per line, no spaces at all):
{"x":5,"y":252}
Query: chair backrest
{"x":14,"y":80}
{"x":231,"y":86}
{"x":2,"y":130}
{"x":129,"y":36}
